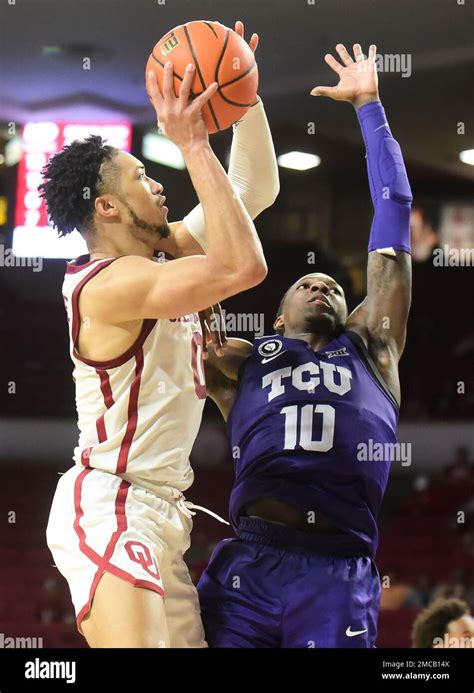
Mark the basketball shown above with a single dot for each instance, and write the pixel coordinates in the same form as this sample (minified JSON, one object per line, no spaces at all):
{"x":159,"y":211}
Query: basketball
{"x":219,"y":55}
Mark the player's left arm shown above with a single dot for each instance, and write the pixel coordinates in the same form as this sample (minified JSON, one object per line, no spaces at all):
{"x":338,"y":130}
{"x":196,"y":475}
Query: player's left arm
{"x":222,"y":372}
{"x":253,"y":172}
{"x":382,"y":317}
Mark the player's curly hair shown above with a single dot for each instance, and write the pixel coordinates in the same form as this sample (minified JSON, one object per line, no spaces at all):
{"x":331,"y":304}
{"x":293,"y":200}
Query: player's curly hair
{"x":433,"y":621}
{"x":73,"y":179}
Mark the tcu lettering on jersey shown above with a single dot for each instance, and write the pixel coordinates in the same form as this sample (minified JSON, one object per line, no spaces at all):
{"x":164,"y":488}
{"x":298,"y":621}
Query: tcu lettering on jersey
{"x":307,"y":377}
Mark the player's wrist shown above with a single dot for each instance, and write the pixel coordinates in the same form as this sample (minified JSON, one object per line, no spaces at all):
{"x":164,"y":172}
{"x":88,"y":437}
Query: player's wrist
{"x":194,"y":148}
{"x":365,"y":99}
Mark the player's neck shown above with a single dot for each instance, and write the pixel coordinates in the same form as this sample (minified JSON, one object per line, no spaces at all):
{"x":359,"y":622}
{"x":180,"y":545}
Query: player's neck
{"x":315,"y":341}
{"x":105,"y":248}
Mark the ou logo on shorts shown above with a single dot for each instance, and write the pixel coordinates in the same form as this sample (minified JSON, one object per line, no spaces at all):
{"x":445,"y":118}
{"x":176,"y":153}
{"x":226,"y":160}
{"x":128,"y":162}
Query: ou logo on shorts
{"x":139,"y":553}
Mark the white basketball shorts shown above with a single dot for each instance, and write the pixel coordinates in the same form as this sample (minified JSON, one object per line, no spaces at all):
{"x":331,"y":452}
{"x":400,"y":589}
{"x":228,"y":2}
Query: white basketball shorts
{"x":100,"y":523}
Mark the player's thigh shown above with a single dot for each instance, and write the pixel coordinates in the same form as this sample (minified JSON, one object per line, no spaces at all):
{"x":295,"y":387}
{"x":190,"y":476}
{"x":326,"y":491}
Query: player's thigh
{"x":239,"y":594}
{"x":331,"y":602}
{"x":183,"y":613}
{"x":123,"y":615}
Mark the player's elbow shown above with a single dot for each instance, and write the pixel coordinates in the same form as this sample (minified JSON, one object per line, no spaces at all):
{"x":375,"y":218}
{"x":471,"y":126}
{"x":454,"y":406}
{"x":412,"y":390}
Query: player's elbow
{"x":258,"y":272}
{"x":272,"y":190}
{"x":248,"y":276}
{"x":266,"y":199}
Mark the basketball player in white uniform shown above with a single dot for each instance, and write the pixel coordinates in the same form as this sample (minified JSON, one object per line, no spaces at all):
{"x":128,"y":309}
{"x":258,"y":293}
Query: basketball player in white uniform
{"x":119,"y":523}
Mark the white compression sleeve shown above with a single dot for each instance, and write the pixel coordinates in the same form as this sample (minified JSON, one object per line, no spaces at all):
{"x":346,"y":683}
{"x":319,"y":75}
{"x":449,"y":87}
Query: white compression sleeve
{"x":253,"y":170}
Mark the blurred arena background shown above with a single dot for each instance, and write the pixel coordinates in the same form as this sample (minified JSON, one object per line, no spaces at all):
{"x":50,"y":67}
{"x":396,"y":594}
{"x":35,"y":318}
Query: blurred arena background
{"x":70,"y":67}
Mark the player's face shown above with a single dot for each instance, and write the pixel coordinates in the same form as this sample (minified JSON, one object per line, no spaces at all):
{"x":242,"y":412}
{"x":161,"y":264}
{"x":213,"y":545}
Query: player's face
{"x":315,"y":303}
{"x":461,"y":631}
{"x":142,"y":198}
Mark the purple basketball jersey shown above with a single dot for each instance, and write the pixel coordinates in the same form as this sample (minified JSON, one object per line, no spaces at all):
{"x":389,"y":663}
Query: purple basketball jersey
{"x":302,"y":429}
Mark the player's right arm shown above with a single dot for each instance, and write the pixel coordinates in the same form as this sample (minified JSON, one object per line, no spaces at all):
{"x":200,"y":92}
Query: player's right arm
{"x":135,"y":287}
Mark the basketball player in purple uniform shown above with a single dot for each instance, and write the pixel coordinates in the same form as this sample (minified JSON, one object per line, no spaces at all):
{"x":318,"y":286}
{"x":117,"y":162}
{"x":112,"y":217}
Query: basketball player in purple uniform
{"x":301,"y":407}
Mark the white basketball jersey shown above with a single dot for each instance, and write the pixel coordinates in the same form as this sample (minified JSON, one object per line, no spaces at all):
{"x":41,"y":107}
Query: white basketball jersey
{"x":138,"y":414}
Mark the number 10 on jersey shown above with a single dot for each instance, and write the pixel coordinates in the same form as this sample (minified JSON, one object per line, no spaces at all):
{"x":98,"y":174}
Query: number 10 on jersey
{"x":299,"y":422}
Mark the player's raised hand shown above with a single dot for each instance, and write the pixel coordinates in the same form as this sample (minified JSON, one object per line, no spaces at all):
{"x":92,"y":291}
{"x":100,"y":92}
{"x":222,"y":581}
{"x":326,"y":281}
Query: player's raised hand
{"x":179,"y":118}
{"x":358,"y":81}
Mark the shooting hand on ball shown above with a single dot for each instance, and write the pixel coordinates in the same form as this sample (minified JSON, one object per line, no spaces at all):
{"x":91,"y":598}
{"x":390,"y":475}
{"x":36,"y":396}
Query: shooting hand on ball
{"x":358,"y":82}
{"x":180,"y":119}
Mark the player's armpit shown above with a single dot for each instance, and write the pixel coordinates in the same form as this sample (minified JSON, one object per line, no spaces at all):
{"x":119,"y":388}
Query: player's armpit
{"x":135,"y":287}
{"x":236,"y":352}
{"x":381,"y":318}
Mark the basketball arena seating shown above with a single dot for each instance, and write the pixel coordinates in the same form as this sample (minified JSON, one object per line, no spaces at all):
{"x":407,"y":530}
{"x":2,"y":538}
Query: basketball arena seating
{"x":424,"y":541}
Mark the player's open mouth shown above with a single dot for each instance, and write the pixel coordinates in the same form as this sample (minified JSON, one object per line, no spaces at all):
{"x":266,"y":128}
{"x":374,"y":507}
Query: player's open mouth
{"x":320,"y":302}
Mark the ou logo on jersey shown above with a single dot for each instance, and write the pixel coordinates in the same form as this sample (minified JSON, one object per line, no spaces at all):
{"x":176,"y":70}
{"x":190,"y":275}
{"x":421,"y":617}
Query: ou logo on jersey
{"x":139,"y":553}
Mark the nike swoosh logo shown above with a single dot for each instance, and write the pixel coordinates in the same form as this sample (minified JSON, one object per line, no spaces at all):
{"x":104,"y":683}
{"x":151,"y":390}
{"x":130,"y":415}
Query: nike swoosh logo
{"x":350,"y":633}
{"x":270,"y":358}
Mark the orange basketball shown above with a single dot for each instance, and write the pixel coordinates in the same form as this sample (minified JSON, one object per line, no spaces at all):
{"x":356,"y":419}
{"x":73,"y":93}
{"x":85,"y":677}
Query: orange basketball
{"x":219,"y":55}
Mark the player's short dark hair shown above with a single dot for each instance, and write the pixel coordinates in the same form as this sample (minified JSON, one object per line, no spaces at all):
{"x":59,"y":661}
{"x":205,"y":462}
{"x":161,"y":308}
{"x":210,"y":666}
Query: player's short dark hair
{"x":73,"y":179}
{"x":433,"y":621}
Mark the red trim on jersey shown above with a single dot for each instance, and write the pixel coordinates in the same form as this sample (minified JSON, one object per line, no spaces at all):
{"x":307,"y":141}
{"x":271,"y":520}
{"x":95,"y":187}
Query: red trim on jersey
{"x":105,"y":387}
{"x":147,"y":326}
{"x":100,"y":428}
{"x":73,"y":266}
{"x":102,"y":562}
{"x":77,"y":291}
{"x":108,"y":401}
{"x":132,"y":415}
{"x":85,"y":456}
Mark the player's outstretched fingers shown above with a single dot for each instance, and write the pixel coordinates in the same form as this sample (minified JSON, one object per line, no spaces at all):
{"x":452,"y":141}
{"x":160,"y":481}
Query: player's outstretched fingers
{"x":155,"y":94}
{"x":324,"y":91}
{"x":343,"y":54}
{"x":203,"y":98}
{"x":168,"y":82}
{"x":372,"y":51}
{"x":253,"y":43}
{"x":359,"y":56}
{"x":186,"y":84}
{"x":240,"y":29}
{"x":333,"y":64}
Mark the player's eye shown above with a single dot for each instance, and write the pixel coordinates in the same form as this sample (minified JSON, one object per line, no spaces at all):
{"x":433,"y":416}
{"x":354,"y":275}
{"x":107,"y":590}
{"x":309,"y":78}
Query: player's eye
{"x":305,"y":284}
{"x":142,"y":175}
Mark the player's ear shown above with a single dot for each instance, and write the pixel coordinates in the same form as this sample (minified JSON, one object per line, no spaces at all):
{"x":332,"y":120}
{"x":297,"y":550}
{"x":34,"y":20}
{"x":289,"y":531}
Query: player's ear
{"x":106,"y":206}
{"x":279,"y":324}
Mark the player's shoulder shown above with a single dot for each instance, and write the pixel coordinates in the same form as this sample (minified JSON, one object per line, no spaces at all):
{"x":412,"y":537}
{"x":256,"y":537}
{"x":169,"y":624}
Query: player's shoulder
{"x":122,"y":271}
{"x":132,"y":263}
{"x":112,"y":284}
